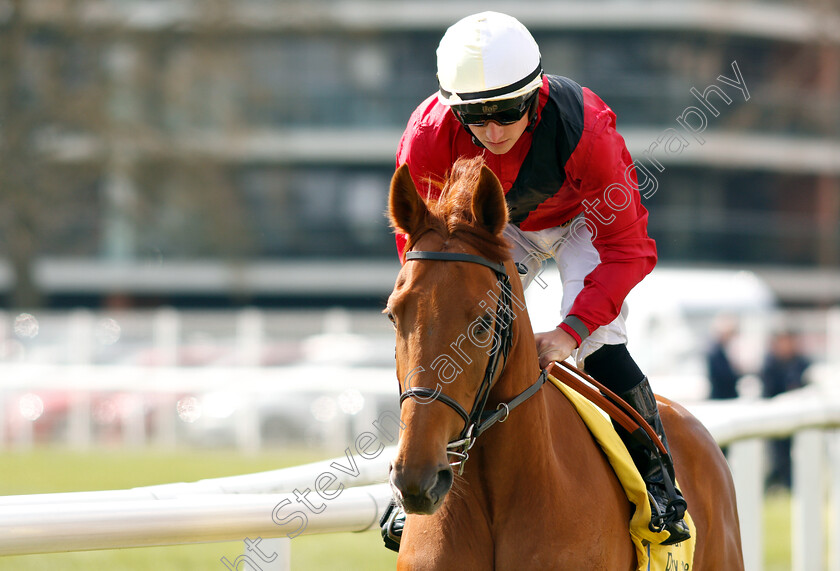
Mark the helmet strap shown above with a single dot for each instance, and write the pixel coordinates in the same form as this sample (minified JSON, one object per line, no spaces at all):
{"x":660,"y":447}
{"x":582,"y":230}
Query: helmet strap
{"x":475,"y":140}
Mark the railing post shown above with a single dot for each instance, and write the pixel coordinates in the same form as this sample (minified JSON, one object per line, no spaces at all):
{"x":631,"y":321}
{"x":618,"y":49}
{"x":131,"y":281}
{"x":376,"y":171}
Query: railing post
{"x":133,"y":421}
{"x":250,"y":328}
{"x":5,"y":339}
{"x":283,"y":547}
{"x":250,"y":336}
{"x":166,"y":330}
{"x":4,"y":404}
{"x":833,"y":439}
{"x":80,"y":352}
{"x":79,"y":434}
{"x":249,"y":424}
{"x":24,"y":428}
{"x":165,"y":421}
{"x":808,"y":507}
{"x":746,"y":459}
{"x":80,"y":338}
{"x":832,"y":336}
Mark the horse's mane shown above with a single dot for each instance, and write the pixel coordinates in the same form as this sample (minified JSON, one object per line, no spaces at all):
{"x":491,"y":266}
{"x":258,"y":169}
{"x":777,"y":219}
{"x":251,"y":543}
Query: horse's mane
{"x":451,"y":214}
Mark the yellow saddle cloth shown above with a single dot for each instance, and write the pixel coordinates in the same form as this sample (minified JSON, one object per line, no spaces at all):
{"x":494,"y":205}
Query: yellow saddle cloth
{"x":650,"y":554}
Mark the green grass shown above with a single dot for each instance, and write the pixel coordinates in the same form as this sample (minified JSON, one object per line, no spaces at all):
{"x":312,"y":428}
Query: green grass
{"x":777,"y":547}
{"x":52,"y":470}
{"x":47,"y":470}
{"x":339,"y":551}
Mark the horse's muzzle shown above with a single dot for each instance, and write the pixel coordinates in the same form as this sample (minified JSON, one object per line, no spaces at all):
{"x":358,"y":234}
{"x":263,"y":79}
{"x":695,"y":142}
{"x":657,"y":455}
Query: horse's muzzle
{"x":423,"y":492}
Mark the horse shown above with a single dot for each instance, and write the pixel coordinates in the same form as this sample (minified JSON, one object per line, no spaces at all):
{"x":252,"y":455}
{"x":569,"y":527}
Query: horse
{"x":535,"y":492}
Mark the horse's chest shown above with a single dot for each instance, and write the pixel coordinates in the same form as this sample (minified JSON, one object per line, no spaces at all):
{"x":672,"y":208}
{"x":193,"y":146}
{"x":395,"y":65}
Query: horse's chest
{"x":549,"y":536}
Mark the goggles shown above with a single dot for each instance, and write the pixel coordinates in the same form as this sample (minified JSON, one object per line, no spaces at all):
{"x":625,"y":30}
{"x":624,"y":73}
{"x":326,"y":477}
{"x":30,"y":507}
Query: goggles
{"x":504,"y":112}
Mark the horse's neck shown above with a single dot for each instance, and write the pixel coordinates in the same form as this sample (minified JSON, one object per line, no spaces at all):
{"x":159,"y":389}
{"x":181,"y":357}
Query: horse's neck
{"x":527,"y":442}
{"x":527,"y":430}
{"x":528,"y":425}
{"x":521,"y":443}
{"x":521,"y":367}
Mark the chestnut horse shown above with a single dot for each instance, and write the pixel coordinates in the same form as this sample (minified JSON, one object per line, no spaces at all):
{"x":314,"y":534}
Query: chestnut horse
{"x":536,"y":492}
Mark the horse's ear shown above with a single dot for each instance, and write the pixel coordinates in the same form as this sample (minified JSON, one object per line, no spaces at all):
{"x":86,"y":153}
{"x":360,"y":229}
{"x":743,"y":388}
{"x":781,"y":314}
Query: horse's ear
{"x":406,"y":208}
{"x":488,"y":203}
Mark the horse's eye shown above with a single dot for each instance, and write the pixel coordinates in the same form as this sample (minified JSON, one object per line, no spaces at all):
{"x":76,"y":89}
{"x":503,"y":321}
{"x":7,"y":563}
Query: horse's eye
{"x":391,"y":317}
{"x":483,"y":325}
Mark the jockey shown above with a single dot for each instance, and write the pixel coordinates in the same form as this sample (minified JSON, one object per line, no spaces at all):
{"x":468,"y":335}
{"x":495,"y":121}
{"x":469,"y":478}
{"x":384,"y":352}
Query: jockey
{"x":572,"y":194}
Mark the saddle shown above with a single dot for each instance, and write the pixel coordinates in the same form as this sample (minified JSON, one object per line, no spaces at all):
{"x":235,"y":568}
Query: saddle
{"x":612,"y":404}
{"x":592,"y":406}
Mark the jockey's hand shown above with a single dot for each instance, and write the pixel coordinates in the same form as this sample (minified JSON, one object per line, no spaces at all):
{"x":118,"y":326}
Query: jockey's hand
{"x":554,"y":345}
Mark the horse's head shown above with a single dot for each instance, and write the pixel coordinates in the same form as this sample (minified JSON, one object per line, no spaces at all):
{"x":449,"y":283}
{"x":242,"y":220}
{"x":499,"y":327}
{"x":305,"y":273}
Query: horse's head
{"x":451,"y":326}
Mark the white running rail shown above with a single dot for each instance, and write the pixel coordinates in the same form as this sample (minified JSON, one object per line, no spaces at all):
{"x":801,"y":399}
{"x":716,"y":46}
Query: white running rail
{"x":261,"y":505}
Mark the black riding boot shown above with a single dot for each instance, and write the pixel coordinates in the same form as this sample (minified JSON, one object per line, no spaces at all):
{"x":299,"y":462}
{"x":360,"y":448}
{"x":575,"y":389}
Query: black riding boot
{"x":614,"y":367}
{"x":667,"y":503}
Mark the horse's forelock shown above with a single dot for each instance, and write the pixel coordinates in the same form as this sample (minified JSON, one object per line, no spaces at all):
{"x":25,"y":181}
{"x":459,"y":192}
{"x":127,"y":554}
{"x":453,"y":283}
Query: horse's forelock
{"x":452,"y":215}
{"x":455,"y":202}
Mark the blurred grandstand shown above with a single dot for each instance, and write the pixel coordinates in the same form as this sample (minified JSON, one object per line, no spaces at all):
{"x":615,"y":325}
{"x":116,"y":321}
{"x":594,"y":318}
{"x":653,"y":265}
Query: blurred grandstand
{"x":217,"y":155}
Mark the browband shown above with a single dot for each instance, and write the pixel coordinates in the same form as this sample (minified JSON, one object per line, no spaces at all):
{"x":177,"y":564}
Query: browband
{"x":499,"y":268}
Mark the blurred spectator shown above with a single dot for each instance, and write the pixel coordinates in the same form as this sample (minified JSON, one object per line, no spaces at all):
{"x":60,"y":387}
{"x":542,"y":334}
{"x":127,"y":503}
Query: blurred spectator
{"x":723,"y":377}
{"x":782,"y":371}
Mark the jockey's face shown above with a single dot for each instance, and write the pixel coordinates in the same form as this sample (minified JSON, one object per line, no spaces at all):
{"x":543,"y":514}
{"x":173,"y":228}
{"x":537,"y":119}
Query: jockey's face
{"x":499,"y":139}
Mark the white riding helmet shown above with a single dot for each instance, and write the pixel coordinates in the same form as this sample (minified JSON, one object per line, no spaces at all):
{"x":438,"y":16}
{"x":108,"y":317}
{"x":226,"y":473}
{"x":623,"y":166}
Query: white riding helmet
{"x":487,"y":57}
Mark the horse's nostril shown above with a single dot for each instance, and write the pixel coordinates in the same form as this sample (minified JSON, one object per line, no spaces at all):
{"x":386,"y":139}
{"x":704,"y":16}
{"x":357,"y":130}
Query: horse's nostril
{"x":443,"y":483}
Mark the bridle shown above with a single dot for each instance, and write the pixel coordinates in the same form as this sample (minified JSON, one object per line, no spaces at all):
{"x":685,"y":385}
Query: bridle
{"x":478,"y":420}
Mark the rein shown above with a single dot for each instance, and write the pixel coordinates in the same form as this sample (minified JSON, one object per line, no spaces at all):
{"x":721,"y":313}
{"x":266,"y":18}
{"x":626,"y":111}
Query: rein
{"x":478,"y":420}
